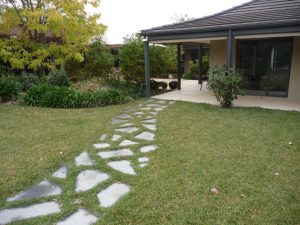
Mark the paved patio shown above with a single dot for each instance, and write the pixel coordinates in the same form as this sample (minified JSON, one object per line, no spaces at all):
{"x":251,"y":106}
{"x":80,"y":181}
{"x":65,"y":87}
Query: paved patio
{"x":190,"y":92}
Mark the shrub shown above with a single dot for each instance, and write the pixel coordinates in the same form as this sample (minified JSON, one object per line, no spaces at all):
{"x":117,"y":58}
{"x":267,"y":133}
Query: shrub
{"x":130,"y":88}
{"x":173,"y":84}
{"x":58,"y":78}
{"x":63,"y":97}
{"x":60,"y":97}
{"x":188,"y":76}
{"x":162,"y":85}
{"x":154,"y":85}
{"x":224,"y":83}
{"x":74,"y":70}
{"x":28,"y":80}
{"x":99,"y":62}
{"x":35,"y":94}
{"x":162,"y":59}
{"x":9,"y":89}
{"x":195,"y":68}
{"x":91,"y":84}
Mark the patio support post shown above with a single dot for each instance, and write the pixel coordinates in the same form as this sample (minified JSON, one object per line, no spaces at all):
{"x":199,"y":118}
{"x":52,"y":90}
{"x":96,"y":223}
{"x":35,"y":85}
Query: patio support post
{"x":147,"y":68}
{"x":230,"y":49}
{"x":200,"y":64}
{"x":179,"y":66}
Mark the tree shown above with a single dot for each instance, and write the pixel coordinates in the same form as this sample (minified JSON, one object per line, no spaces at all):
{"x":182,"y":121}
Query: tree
{"x":162,"y":59}
{"x":47,"y":32}
{"x":99,"y":61}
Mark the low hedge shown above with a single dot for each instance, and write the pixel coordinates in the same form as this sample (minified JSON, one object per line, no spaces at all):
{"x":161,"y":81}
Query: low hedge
{"x":137,"y":90}
{"x":133,"y":89}
{"x":9,"y":89}
{"x":28,"y":80}
{"x":62,"y":97}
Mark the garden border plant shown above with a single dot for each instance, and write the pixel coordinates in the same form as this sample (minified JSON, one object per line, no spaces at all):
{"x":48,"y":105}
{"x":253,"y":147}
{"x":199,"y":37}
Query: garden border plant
{"x":9,"y":89}
{"x":225,"y":84}
{"x":44,"y":95}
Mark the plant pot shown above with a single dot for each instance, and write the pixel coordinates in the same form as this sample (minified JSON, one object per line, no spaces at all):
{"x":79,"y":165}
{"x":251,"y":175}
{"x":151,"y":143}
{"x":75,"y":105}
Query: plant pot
{"x":173,"y":84}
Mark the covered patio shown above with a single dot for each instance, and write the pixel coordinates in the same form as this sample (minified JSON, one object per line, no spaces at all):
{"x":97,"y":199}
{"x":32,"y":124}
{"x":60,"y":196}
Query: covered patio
{"x":190,"y":92}
{"x":261,"y":39}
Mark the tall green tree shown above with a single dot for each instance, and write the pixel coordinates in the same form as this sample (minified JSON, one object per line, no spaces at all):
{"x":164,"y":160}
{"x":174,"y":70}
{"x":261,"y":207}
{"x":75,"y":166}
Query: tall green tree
{"x":47,"y":32}
{"x":162,"y":59}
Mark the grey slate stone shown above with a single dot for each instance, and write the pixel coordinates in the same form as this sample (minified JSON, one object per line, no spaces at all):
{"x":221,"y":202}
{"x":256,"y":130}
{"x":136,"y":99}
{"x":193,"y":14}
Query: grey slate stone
{"x":148,"y":148}
{"x":101,"y":145}
{"x":128,"y":142}
{"x":84,"y":159}
{"x":123,"y":166}
{"x":139,"y":113}
{"x":112,"y":194}
{"x":143,"y":159}
{"x":116,"y":153}
{"x":126,"y":125}
{"x":81,"y":217}
{"x":153,"y":105}
{"x":150,"y":126}
{"x":124,"y":116}
{"x":128,"y":130}
{"x":145,"y":108}
{"x":158,"y":109}
{"x":116,"y":137}
{"x":117,"y":121}
{"x":22,"y":213}
{"x":42,"y":189}
{"x":61,"y":173}
{"x":147,"y":136}
{"x":89,"y":179}
{"x":103,"y":137}
{"x":150,"y":121}
{"x":142,"y":165}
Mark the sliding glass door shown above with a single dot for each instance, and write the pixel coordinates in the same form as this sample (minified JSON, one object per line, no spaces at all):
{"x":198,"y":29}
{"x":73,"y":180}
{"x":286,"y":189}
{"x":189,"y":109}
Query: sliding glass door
{"x":265,"y":66}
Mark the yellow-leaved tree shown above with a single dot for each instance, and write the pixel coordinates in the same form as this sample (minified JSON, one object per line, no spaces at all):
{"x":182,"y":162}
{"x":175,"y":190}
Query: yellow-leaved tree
{"x":41,"y":34}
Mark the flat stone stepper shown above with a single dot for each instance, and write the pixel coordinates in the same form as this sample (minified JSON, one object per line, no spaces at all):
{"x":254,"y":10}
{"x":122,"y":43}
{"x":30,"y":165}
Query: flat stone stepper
{"x":42,"y":189}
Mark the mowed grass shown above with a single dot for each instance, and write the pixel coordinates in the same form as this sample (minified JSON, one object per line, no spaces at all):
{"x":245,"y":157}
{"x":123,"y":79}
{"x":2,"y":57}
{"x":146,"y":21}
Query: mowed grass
{"x":200,"y":146}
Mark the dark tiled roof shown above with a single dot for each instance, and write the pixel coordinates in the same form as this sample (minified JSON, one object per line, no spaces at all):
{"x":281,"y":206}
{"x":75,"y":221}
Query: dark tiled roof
{"x":253,"y":14}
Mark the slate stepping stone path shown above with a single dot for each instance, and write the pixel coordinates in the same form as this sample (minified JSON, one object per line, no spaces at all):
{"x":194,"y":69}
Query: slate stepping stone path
{"x":134,"y":129}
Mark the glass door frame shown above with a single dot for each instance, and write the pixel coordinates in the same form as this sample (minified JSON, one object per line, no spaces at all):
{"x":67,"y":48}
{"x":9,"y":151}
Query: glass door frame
{"x":270,"y":42}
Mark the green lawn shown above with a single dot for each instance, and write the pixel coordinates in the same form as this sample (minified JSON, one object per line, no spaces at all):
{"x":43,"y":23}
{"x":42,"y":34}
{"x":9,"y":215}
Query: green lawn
{"x":201,"y":146}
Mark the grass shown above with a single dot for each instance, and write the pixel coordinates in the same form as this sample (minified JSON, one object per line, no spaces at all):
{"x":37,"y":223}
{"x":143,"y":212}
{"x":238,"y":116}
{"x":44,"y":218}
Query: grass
{"x":236,"y":150}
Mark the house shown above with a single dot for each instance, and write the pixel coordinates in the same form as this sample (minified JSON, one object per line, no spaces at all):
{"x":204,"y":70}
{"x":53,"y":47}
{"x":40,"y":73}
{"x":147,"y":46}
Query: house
{"x":260,"y":39}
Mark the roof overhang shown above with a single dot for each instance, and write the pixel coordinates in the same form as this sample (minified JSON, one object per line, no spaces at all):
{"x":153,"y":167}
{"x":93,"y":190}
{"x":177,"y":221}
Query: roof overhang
{"x":206,"y":37}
